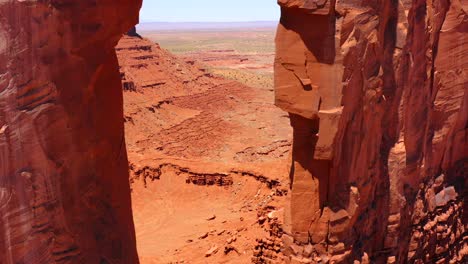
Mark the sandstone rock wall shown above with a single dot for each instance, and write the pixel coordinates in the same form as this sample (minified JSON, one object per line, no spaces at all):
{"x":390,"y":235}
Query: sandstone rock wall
{"x":397,"y":156}
{"x":397,"y":176}
{"x":64,"y":192}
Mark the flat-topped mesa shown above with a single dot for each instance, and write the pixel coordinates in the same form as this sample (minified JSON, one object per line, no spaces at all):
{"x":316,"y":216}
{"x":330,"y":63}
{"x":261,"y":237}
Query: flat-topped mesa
{"x":64,"y":191}
{"x":378,"y":95}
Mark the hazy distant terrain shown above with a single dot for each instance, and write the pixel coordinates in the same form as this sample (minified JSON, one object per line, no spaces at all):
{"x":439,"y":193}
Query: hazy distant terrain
{"x":159,"y":26}
{"x":243,"y":37}
{"x":242,"y":51}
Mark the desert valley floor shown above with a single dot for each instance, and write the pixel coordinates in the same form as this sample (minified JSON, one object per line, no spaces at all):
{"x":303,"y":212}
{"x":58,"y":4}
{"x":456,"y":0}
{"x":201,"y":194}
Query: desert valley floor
{"x":208,"y":153}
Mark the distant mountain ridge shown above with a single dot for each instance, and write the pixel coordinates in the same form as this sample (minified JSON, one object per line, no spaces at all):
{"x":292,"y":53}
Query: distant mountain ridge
{"x":167,"y":26}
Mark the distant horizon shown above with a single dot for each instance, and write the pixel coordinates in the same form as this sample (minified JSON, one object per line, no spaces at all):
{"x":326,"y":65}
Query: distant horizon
{"x":178,"y":22}
{"x":209,"y":11}
{"x":203,"y":26}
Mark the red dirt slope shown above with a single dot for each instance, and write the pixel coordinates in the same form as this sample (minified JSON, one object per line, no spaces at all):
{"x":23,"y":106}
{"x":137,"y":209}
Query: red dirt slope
{"x":199,"y":146}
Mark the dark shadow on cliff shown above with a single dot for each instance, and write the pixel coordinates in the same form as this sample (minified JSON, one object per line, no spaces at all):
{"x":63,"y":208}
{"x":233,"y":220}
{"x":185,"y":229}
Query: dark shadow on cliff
{"x":316,"y":31}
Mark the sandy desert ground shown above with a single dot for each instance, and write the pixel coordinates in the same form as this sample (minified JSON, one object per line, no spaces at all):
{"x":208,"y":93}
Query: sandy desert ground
{"x":242,"y":54}
{"x":204,"y":141}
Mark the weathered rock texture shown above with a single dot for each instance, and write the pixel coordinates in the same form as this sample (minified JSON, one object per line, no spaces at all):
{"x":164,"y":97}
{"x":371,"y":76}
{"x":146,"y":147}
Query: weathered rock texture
{"x":199,"y":145}
{"x":394,"y":187}
{"x":383,"y":182}
{"x":64,"y":191}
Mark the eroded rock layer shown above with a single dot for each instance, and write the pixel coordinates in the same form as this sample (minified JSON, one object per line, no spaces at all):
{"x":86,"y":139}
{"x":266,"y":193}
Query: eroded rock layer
{"x":208,"y":159}
{"x":395,"y":184}
{"x":64,"y":191}
{"x":391,"y":185}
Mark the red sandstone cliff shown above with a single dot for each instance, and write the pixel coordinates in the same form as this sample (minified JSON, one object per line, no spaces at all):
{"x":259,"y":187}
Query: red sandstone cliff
{"x":395,"y":186}
{"x":64,"y":192}
{"x":395,"y":180}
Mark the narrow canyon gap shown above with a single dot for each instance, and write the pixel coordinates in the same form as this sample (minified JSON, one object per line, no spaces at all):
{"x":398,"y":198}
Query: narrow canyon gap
{"x":382,"y":83}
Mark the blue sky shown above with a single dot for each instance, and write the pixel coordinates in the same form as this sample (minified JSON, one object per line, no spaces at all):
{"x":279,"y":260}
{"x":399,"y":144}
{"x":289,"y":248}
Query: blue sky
{"x":209,"y":10}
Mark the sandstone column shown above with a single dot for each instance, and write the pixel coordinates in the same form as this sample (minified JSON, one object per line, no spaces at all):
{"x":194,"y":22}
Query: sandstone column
{"x":308,"y":86}
{"x":397,"y":164}
{"x":64,"y":191}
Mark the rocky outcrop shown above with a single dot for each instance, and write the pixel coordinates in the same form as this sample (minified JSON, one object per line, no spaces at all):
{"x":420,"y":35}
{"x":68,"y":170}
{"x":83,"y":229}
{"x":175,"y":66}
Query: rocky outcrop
{"x":390,"y":184}
{"x":64,"y":191}
{"x":377,"y":92}
{"x":194,"y":138}
{"x":133,"y":33}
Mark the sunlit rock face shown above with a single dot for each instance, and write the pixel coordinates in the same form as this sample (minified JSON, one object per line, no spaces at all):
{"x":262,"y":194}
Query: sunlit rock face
{"x":64,"y":192}
{"x":377,"y":92}
{"x":378,"y":97}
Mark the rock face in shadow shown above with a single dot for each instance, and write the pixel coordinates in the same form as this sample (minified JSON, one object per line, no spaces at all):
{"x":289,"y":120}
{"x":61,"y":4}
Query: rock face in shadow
{"x":378,"y":95}
{"x":64,"y":191}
